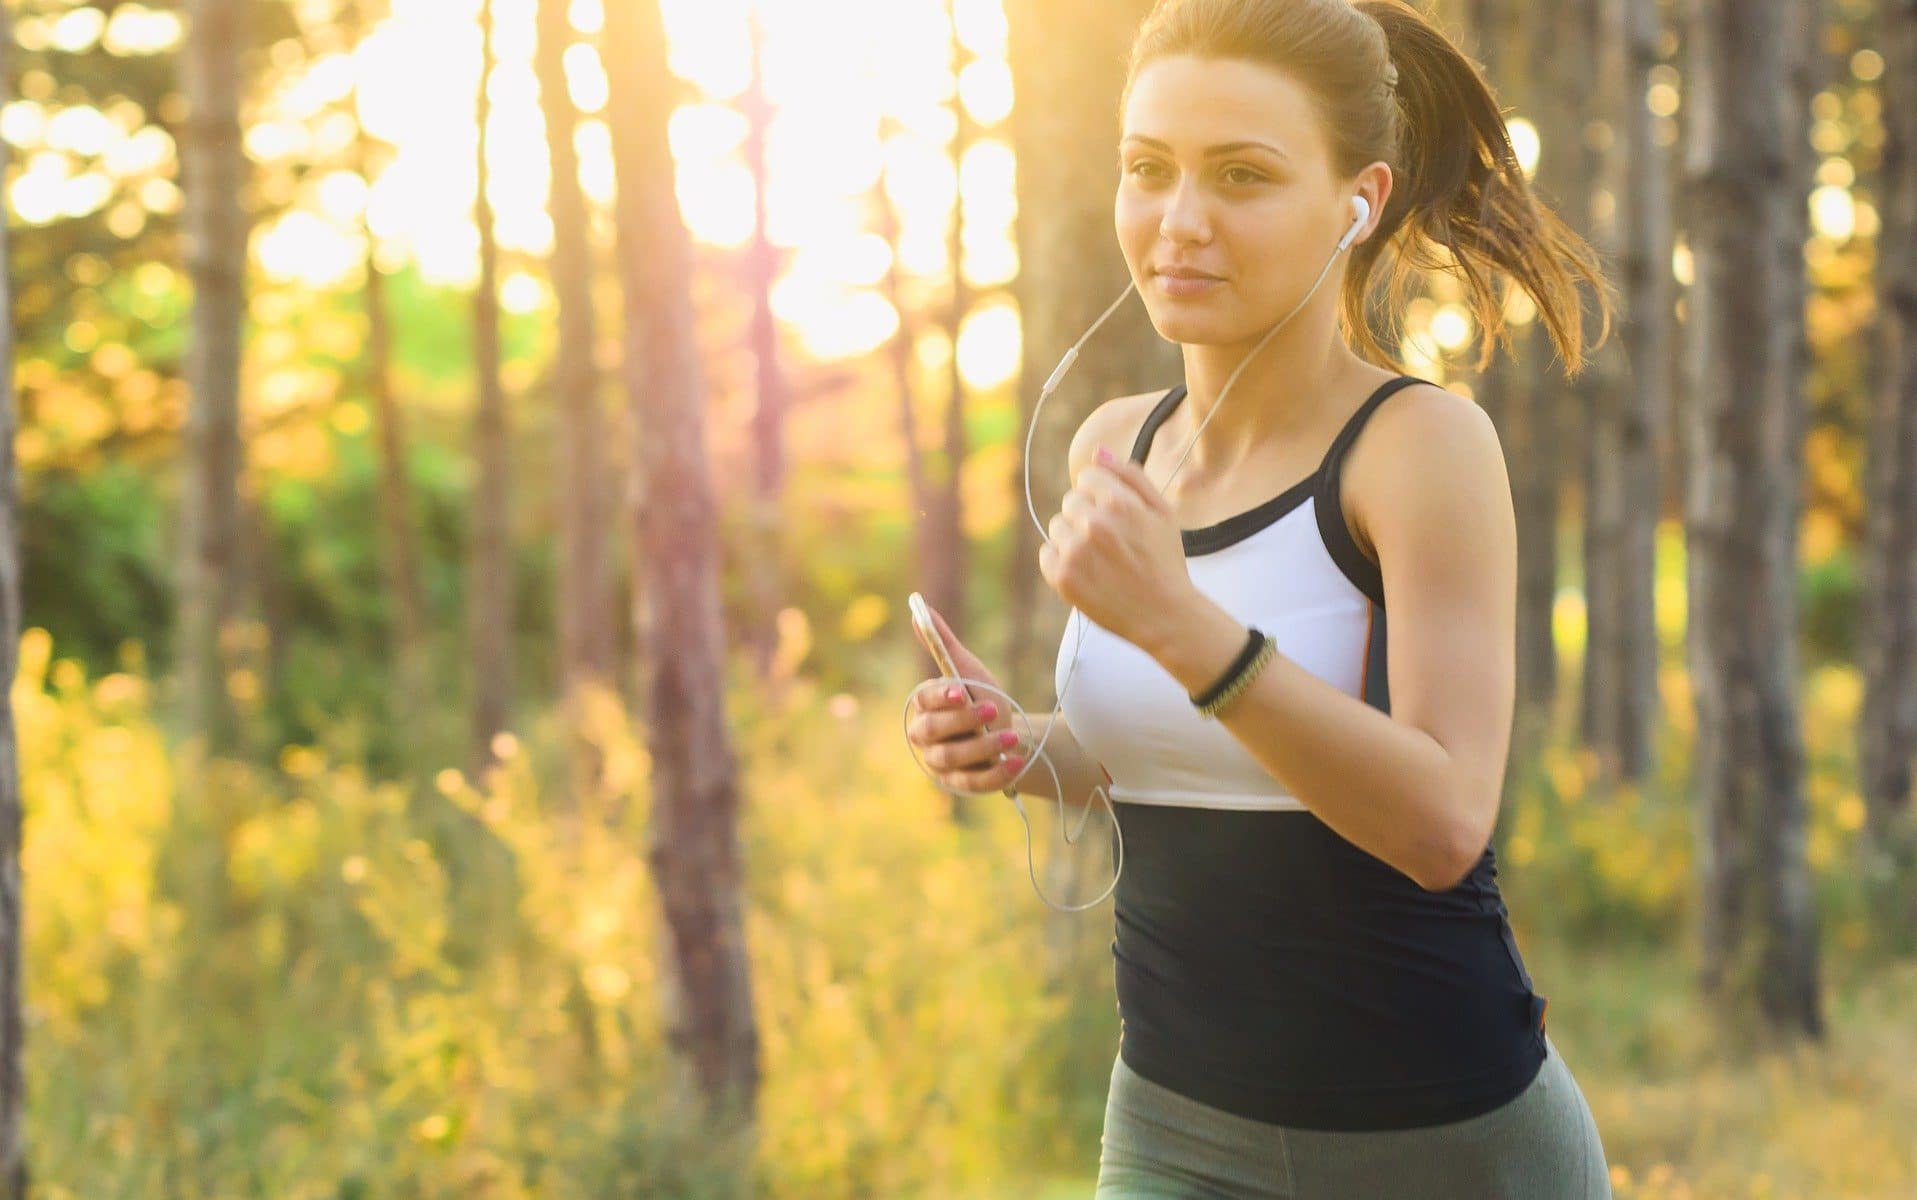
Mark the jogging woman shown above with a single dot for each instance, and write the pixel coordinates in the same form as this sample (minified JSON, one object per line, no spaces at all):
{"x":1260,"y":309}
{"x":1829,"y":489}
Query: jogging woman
{"x":1319,"y":991}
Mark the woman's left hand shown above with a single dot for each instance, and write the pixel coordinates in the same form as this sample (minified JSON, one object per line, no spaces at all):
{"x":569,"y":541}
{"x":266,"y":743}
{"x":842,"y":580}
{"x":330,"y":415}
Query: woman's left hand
{"x":1115,"y":552}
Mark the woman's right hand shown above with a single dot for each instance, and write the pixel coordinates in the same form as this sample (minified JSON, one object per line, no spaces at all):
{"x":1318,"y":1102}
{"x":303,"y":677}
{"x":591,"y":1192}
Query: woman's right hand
{"x":968,"y":746}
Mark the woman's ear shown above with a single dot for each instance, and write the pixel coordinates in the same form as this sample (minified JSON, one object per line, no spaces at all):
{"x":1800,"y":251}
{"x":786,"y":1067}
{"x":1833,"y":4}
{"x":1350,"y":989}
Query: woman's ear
{"x":1374,"y":184}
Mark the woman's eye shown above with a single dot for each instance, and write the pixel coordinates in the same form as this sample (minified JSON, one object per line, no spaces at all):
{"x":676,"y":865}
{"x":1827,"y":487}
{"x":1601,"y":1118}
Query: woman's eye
{"x":1234,"y":175}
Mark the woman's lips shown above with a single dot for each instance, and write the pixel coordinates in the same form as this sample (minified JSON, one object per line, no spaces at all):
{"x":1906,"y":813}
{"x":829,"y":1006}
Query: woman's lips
{"x":1185,"y":285}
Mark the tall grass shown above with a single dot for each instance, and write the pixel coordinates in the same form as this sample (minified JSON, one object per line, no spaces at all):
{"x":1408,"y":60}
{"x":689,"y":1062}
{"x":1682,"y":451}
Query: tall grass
{"x":295,"y":980}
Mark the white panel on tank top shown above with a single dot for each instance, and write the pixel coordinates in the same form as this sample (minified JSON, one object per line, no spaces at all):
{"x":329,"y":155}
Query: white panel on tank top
{"x":1137,"y":720}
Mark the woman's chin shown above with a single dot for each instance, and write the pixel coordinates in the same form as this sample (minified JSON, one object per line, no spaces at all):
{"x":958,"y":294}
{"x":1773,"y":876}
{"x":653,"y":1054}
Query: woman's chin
{"x":1177,"y":323}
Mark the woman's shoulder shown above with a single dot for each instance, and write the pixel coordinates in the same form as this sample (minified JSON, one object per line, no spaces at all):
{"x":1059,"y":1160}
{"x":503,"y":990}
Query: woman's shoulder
{"x":1113,"y":424}
{"x":1450,"y":437}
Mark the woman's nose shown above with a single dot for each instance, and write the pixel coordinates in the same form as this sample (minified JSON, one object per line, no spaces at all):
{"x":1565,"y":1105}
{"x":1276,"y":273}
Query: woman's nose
{"x":1185,"y":219}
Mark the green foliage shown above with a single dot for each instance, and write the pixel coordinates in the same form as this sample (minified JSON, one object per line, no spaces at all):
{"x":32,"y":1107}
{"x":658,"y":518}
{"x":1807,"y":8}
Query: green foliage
{"x":100,"y":528}
{"x":1601,"y":861}
{"x":1831,"y":607}
{"x":94,"y":567}
{"x":300,"y":980}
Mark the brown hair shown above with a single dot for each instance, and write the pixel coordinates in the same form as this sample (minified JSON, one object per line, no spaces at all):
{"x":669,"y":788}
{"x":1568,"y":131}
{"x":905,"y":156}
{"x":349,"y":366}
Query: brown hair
{"x":1392,"y":87}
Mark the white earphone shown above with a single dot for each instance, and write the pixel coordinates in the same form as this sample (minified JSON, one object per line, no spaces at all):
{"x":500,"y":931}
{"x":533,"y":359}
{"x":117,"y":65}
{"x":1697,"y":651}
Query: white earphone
{"x":1361,"y":213}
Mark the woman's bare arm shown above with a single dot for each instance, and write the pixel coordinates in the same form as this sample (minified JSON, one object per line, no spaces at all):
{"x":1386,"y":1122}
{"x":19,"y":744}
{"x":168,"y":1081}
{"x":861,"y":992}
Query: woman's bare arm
{"x":1078,"y":771}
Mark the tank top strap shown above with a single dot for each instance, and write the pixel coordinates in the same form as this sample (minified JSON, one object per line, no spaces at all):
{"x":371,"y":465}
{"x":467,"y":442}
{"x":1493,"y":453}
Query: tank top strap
{"x":1142,"y":444}
{"x":1334,"y":457}
{"x":1357,"y":566}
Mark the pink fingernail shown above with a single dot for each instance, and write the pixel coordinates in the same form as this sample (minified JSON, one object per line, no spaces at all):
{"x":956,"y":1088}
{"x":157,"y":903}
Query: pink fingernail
{"x":1015,"y":761}
{"x":987,"y":711}
{"x":1104,"y":455}
{"x":952,"y":693}
{"x":1007,"y":737}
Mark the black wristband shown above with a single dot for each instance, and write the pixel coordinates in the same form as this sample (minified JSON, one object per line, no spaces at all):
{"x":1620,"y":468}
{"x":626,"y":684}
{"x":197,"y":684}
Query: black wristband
{"x":1254,"y":641}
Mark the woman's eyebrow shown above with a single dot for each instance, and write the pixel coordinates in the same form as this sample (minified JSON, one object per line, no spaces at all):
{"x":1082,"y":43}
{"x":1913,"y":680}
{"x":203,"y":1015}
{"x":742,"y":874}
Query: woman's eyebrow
{"x":1221,"y":148}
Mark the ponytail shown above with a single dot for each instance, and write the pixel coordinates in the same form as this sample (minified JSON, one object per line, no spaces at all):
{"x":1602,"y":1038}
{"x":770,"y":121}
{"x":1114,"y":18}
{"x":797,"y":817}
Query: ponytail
{"x":1465,"y":192}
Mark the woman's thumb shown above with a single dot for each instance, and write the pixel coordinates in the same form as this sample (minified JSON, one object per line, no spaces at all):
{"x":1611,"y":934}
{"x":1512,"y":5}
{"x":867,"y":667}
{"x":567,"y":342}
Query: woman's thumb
{"x":952,"y":643}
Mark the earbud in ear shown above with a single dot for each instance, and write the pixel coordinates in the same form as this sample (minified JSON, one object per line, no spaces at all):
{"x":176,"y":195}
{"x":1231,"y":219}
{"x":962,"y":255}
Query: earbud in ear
{"x":1361,"y":212}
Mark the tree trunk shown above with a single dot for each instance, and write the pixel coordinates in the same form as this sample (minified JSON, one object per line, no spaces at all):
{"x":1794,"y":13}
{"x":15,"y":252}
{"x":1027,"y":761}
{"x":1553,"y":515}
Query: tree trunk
{"x":213,"y":174}
{"x":1611,"y":456}
{"x":944,"y":578}
{"x":763,"y":260}
{"x":1621,"y":668}
{"x":1499,"y":387}
{"x":1595,"y":398}
{"x":1887,"y":725}
{"x":900,"y":357}
{"x":694,"y":849}
{"x":900,"y":354}
{"x":585,"y":583}
{"x":398,"y":545}
{"x":1537,"y":413}
{"x":1539,"y":410}
{"x":13,"y":1122}
{"x":1758,"y":924}
{"x":490,"y":614}
{"x":255,"y":648}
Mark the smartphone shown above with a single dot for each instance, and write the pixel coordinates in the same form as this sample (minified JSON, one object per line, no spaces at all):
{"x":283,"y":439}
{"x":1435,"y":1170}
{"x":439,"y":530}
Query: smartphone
{"x":929,"y":635}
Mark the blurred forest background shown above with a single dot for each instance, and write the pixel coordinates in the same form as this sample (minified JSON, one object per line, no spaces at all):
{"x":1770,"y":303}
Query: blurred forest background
{"x":457,"y":588}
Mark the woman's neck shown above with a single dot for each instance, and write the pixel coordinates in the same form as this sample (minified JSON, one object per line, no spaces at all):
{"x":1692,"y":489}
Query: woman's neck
{"x":1280,"y":395}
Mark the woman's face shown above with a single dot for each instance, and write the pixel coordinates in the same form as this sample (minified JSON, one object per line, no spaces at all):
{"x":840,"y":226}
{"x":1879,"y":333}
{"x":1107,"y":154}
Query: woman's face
{"x":1223,"y":170}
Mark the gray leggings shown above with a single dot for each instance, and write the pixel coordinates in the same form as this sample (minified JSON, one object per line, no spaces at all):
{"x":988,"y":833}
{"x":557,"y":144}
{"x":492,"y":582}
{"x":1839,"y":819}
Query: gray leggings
{"x":1541,"y":1145}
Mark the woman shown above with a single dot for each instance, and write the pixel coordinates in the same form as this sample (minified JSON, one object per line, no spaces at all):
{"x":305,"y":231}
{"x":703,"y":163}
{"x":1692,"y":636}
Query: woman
{"x":1319,"y":991}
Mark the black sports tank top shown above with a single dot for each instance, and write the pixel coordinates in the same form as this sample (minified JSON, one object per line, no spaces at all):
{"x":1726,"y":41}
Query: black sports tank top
{"x":1264,"y":964}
